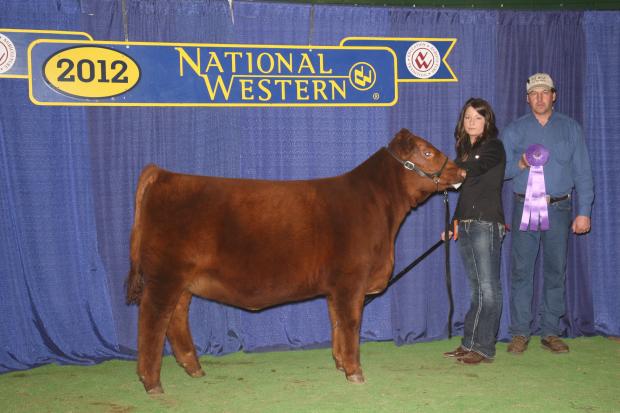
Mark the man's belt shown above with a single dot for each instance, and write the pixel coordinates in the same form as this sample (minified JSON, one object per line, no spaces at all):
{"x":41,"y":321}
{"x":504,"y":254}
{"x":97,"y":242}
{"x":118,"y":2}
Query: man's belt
{"x":550,"y":199}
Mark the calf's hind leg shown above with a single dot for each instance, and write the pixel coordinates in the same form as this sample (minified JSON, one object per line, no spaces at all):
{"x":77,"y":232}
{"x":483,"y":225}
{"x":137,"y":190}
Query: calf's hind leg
{"x":180,"y":337}
{"x":156,"y":307}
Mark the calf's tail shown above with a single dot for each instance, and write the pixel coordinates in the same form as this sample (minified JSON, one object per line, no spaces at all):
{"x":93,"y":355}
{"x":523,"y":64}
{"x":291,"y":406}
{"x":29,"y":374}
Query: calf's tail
{"x":135,"y":280}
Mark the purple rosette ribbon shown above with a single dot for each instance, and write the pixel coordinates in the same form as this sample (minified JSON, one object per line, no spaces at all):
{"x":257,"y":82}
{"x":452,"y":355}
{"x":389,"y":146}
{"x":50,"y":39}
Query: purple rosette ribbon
{"x":535,"y":205}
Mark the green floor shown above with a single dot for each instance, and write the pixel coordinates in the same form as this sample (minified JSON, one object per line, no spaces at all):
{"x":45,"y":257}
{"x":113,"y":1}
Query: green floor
{"x":412,"y":378}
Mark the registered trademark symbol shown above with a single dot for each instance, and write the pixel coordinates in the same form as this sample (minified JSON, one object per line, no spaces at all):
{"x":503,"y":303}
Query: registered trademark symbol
{"x":376,"y":96}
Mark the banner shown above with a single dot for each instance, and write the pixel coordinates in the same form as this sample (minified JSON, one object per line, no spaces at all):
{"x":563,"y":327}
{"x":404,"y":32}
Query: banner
{"x":163,"y":74}
{"x":71,"y":69}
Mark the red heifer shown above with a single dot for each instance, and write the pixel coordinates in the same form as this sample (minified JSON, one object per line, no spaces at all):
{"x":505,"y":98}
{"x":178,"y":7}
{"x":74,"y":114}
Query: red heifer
{"x":254,"y":244}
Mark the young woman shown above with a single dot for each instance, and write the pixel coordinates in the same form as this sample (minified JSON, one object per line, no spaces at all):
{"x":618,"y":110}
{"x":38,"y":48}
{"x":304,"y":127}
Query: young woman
{"x":480,"y":227}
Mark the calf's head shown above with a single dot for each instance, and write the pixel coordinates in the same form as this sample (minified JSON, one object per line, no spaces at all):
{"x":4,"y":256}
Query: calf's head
{"x":428,"y":169}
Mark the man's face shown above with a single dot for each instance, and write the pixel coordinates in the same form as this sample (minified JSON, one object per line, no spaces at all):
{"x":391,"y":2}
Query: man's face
{"x":541,"y":100}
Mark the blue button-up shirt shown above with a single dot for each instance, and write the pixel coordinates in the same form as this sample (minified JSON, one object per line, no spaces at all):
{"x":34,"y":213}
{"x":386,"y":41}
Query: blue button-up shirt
{"x":568,"y":166}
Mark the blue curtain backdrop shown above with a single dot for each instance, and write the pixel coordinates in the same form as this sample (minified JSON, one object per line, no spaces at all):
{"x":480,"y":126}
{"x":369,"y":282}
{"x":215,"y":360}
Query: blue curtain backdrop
{"x":67,"y":175}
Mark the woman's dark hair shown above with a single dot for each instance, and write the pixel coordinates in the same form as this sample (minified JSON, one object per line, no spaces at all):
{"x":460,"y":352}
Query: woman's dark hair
{"x":463,"y":145}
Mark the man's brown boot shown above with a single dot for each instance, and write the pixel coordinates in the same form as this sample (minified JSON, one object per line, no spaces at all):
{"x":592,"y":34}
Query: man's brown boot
{"x":518,"y":345}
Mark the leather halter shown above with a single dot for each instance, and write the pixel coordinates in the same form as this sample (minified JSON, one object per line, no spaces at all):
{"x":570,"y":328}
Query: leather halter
{"x":412,"y":167}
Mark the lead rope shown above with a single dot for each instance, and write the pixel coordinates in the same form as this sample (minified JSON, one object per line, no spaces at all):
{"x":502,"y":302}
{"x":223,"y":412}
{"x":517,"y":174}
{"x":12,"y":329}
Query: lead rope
{"x":448,"y":275}
{"x":418,"y":260}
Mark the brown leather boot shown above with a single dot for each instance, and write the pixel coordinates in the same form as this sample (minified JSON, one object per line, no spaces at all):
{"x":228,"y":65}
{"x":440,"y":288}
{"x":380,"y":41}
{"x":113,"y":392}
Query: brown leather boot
{"x":554,"y":344}
{"x":473,"y":358}
{"x":518,"y":345}
{"x":459,"y":352}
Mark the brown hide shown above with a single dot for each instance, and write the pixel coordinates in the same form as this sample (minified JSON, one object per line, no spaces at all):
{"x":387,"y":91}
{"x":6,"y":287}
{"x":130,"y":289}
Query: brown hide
{"x":256,"y":243}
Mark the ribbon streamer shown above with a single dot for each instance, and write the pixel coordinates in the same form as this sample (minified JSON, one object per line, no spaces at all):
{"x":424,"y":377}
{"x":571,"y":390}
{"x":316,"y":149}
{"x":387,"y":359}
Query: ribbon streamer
{"x":535,"y":205}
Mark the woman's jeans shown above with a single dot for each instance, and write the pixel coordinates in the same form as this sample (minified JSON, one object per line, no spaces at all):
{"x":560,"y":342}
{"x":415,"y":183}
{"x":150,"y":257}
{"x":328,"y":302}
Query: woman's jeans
{"x":480,"y":246}
{"x":525,"y":246}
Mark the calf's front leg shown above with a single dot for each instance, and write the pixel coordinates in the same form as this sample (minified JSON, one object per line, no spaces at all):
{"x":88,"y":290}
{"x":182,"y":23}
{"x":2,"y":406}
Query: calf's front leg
{"x":346,"y":313}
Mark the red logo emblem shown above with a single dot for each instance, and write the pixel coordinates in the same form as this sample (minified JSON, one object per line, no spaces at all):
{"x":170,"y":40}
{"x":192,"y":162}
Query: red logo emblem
{"x":423,"y":60}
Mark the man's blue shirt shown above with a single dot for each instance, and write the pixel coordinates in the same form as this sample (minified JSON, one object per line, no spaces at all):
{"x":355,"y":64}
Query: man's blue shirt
{"x":568,"y":166}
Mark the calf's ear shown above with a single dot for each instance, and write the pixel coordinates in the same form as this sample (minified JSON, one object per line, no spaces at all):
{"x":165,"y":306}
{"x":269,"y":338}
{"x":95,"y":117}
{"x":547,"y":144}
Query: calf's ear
{"x":405,"y":142}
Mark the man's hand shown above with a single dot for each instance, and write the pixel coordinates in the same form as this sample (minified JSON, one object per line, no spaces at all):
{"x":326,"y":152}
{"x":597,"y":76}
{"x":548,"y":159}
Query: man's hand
{"x":523,"y":163}
{"x":581,"y":224}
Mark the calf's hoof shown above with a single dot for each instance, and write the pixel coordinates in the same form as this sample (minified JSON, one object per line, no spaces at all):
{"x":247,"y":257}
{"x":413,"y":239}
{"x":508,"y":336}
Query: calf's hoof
{"x":357,"y":378}
{"x":153,"y":387}
{"x":155,"y":390}
{"x":192,"y":369}
{"x":196,"y":373}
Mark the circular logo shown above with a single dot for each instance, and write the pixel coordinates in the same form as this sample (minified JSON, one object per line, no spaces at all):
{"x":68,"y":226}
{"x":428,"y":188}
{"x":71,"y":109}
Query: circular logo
{"x":7,"y":54}
{"x":423,"y":60}
{"x":362,"y":76}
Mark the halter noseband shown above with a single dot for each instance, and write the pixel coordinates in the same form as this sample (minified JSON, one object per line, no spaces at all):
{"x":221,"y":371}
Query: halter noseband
{"x":412,"y":167}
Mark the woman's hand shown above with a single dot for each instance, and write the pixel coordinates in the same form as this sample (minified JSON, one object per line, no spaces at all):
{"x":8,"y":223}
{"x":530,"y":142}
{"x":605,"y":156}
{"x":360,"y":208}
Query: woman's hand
{"x":443,"y":235}
{"x":455,"y":227}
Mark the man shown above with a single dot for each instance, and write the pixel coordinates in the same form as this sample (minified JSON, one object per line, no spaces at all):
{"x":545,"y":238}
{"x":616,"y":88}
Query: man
{"x":567,"y":168}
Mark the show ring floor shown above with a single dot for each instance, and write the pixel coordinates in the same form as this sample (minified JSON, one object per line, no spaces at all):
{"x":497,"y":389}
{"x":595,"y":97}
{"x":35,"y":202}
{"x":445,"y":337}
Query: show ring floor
{"x":410,"y":378}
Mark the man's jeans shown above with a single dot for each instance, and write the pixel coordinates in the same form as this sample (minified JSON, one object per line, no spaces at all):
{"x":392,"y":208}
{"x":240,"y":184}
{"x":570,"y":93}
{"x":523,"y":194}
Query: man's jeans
{"x":525,"y":246}
{"x":480,"y":246}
